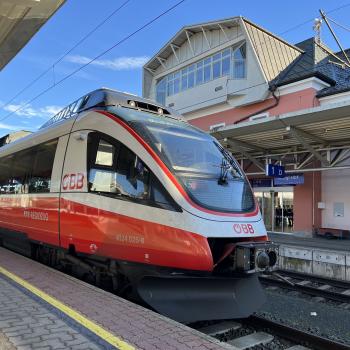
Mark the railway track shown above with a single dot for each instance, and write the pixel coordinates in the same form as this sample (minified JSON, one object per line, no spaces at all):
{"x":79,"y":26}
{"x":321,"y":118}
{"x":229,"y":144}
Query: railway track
{"x":257,"y":332}
{"x":315,"y":286}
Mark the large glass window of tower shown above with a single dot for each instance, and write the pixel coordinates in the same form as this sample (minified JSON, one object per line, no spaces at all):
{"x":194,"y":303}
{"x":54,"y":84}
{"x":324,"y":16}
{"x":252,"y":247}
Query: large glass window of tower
{"x":161,"y":91}
{"x":228,"y":62}
{"x":239,"y":62}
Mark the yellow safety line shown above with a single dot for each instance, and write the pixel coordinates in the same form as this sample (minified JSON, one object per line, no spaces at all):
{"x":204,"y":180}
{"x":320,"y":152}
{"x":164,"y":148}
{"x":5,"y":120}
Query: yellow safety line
{"x":76,"y":316}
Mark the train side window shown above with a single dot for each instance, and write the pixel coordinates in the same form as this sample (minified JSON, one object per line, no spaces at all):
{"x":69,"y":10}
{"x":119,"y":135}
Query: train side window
{"x":44,"y":156}
{"x":6,"y":185}
{"x":21,"y":171}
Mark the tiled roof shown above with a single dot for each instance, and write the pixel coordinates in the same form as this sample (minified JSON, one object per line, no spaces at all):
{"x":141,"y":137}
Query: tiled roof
{"x":317,"y":60}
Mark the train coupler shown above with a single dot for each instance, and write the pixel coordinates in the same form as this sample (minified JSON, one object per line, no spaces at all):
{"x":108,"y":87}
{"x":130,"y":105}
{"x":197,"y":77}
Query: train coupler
{"x":253,"y":257}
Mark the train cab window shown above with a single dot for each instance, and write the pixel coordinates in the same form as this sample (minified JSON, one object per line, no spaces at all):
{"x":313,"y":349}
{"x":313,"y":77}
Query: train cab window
{"x":102,"y":174}
{"x":132,"y":175}
{"x":105,"y":153}
{"x":115,"y":170}
{"x":44,"y":156}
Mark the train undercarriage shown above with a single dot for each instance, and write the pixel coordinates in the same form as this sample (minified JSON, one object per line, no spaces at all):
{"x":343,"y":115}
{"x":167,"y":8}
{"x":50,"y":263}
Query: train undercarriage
{"x":231,"y":290}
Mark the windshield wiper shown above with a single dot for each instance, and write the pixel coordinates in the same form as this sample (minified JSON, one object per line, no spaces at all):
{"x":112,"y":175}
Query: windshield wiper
{"x":225,"y":167}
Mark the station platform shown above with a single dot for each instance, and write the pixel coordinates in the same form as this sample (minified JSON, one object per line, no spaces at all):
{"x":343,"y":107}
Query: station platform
{"x":329,"y":258}
{"x":44,"y":309}
{"x":310,"y":242}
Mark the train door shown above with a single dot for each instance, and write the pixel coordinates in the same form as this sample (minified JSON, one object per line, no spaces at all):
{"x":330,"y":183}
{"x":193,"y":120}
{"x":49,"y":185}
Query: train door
{"x":73,"y":190}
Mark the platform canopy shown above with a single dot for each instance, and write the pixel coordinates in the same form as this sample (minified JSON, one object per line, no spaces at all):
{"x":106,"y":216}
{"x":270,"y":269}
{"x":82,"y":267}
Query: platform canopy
{"x":19,"y":21}
{"x":308,"y":140}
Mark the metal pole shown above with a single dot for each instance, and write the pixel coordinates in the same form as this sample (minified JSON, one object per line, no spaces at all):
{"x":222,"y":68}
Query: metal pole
{"x":334,"y":36}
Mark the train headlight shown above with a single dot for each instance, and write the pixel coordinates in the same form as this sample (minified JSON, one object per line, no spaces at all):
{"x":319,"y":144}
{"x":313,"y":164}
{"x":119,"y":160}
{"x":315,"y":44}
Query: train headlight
{"x":262,"y":260}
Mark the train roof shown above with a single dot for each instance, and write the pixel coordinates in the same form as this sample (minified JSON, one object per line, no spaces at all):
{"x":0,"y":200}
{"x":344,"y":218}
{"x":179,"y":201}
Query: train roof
{"x":105,"y":97}
{"x":100,"y":98}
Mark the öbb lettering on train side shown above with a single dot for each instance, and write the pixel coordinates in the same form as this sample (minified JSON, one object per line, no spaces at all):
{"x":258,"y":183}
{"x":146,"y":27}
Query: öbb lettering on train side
{"x":243,"y":228}
{"x":73,"y":181}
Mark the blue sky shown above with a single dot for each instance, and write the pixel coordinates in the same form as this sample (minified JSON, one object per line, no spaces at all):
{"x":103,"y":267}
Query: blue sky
{"x":121,"y":68}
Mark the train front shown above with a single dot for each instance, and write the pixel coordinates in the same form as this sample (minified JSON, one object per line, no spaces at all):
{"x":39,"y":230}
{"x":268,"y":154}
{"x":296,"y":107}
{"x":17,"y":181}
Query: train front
{"x":218,"y":278}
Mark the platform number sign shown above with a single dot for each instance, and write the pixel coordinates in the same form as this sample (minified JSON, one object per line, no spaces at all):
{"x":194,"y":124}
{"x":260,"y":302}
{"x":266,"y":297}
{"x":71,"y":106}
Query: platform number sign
{"x":275,"y":170}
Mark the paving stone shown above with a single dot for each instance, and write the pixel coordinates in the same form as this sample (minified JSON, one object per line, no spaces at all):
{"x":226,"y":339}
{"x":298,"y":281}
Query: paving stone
{"x":30,"y":331}
{"x":250,"y":340}
{"x":5,"y":344}
{"x":134,"y":324}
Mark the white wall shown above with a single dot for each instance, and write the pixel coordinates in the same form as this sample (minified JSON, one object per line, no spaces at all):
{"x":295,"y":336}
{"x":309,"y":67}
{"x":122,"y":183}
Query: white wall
{"x":336,"y":189}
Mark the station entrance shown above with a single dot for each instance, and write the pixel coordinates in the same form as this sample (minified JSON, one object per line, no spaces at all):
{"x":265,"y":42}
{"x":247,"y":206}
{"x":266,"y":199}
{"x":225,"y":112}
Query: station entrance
{"x":276,"y":205}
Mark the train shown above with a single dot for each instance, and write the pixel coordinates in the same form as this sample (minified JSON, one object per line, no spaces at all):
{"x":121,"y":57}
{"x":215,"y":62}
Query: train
{"x":125,"y":193}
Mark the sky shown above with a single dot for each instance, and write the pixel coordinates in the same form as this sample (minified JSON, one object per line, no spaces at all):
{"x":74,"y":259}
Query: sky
{"x":121,"y":68}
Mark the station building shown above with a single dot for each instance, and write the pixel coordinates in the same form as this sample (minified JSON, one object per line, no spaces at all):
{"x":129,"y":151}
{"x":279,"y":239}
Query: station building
{"x":269,"y":102}
{"x":20,"y":20}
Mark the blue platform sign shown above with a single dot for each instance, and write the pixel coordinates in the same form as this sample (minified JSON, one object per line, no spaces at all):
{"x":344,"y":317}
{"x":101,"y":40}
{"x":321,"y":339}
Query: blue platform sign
{"x":261,"y":182}
{"x":275,"y":170}
{"x":289,"y":180}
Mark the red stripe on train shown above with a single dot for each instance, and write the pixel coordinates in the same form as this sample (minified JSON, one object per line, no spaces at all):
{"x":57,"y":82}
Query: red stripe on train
{"x":96,"y":231}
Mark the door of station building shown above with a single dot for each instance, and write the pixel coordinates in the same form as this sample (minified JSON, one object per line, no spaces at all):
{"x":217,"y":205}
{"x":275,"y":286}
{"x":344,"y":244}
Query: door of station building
{"x":277,"y":209}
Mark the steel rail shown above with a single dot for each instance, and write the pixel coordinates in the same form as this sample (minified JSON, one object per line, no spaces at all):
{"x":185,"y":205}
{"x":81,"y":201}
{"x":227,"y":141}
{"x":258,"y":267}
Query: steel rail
{"x":314,"y":291}
{"x":293,"y":334}
{"x":313,"y":278}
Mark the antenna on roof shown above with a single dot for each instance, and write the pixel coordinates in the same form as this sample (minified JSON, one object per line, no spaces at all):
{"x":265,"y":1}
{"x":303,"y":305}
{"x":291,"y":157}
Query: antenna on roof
{"x":317,"y":28}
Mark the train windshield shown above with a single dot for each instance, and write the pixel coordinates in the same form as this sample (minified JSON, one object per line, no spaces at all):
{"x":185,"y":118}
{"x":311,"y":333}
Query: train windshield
{"x":209,"y":174}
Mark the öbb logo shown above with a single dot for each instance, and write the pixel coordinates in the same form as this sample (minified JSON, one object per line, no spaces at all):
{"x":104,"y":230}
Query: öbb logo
{"x":73,"y":181}
{"x":243,"y":228}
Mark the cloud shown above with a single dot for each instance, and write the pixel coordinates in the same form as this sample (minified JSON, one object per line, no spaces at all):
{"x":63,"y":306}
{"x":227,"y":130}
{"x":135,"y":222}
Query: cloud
{"x":9,"y":127}
{"x":28,"y":111}
{"x":117,"y":64}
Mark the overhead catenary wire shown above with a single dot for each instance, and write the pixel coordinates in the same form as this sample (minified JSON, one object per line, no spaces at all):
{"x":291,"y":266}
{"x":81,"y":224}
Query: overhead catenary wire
{"x":78,"y":43}
{"x":300,"y":69}
{"x":94,"y":59}
{"x":127,"y":38}
{"x":339,"y":24}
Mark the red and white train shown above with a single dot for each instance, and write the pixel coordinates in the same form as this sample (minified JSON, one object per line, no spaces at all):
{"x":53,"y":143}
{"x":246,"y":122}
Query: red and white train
{"x":126,"y":192}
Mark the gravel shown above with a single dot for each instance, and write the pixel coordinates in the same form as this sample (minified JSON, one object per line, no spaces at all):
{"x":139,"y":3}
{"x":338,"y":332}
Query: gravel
{"x":306,"y":296}
{"x":322,"y":319}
